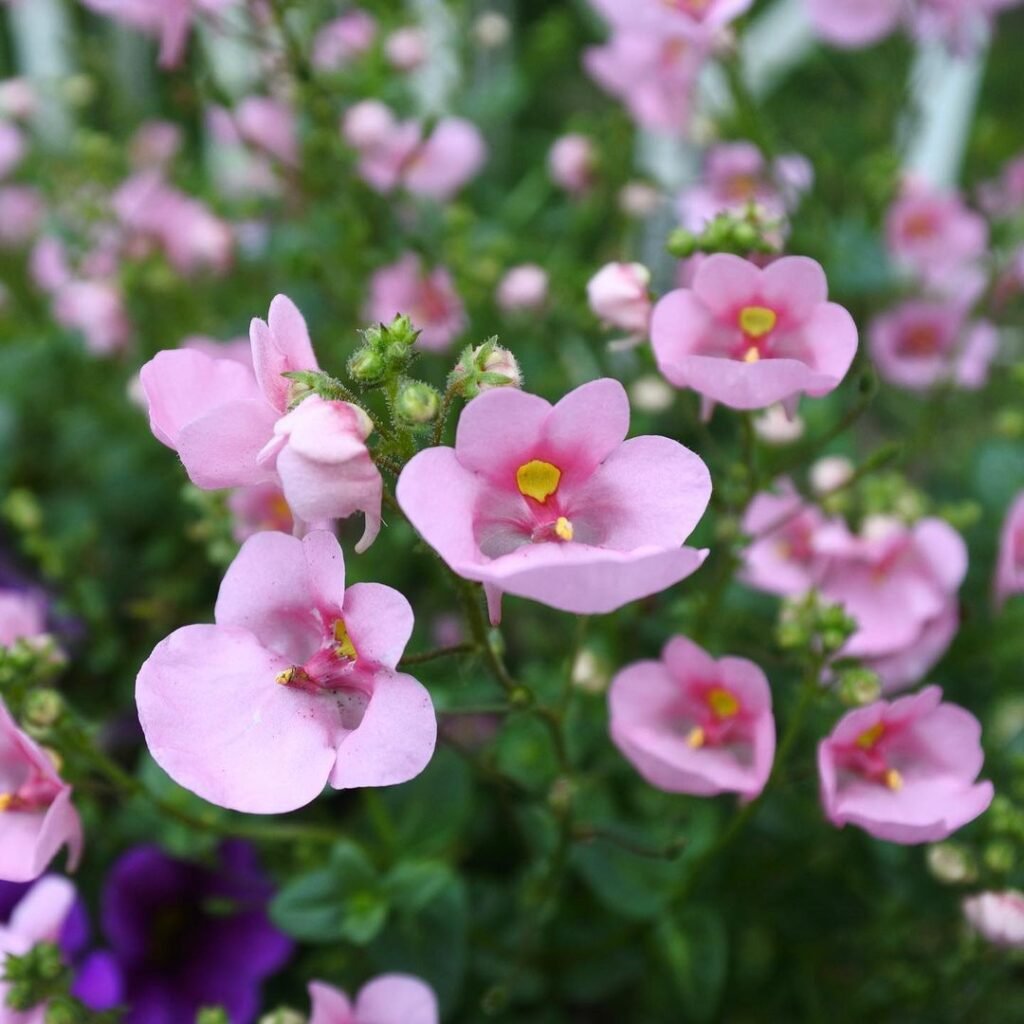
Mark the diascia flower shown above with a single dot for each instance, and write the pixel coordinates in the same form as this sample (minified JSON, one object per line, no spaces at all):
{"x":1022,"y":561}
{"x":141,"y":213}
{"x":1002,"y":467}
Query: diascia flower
{"x":1010,"y":565}
{"x":294,"y":687}
{"x":551,"y":503}
{"x":388,"y":999}
{"x":997,"y":917}
{"x":691,"y":724}
{"x":37,"y":817}
{"x":749,"y":337}
{"x":904,"y":771}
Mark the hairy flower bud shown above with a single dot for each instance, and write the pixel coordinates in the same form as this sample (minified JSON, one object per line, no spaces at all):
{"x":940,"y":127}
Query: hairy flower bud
{"x":483,"y":368}
{"x":418,"y":403}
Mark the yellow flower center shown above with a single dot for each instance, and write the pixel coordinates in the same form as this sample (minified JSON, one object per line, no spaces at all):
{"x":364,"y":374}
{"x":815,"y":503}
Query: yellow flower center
{"x":345,"y":648}
{"x":756,"y":322}
{"x":869,"y":737}
{"x":538,"y":480}
{"x":695,"y":738}
{"x":751,"y":355}
{"x":6,"y":799}
{"x":723,"y":704}
{"x":893,"y":780}
{"x":563,"y":528}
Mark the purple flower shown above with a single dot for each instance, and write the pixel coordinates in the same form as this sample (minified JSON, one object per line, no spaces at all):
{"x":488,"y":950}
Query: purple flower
{"x":185,"y":935}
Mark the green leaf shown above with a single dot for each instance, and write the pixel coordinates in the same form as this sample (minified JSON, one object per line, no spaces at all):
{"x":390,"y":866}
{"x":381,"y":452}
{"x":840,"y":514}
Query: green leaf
{"x":414,"y":884}
{"x":695,"y":946}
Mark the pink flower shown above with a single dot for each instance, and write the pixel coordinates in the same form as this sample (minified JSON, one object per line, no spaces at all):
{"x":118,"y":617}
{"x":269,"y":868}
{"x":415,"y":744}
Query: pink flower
{"x":219,"y":415}
{"x":619,"y":293}
{"x":854,"y":23}
{"x":344,"y":38}
{"x":933,"y":234}
{"x":269,"y":125}
{"x":900,"y":585}
{"x":904,"y":771}
{"x":736,"y":174}
{"x":1009,"y":578}
{"x":1005,"y":196}
{"x":155,"y":144}
{"x":388,"y":999}
{"x":37,"y":817}
{"x":21,"y":214}
{"x":571,"y":163}
{"x":652,"y":70}
{"x":665,"y":14}
{"x":22,"y":616}
{"x":294,"y":687}
{"x":367,"y":124}
{"x":998,"y":917}
{"x":921,"y":343}
{"x":522,"y":288}
{"x":691,"y":724}
{"x":406,"y":48}
{"x":451,"y":156}
{"x":39,"y":916}
{"x":259,"y":508}
{"x":325,"y":467}
{"x":782,"y":557}
{"x":749,"y":338}
{"x":12,"y":148}
{"x":428,"y":298}
{"x":552,"y":504}
{"x":96,"y":308}
{"x":18,"y":99}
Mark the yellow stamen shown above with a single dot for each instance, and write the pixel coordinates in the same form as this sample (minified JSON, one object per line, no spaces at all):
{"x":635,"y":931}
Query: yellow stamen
{"x":285,"y":677}
{"x":752,"y":355}
{"x":696,"y":738}
{"x":893,"y":780}
{"x":723,"y":703}
{"x":757,"y":321}
{"x":869,"y":737}
{"x":563,"y":528}
{"x":538,"y":480}
{"x":6,"y":799}
{"x":345,"y":648}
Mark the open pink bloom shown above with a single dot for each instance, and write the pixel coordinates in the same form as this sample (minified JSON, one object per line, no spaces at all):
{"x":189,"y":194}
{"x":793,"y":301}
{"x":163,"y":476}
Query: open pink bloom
{"x":781,"y":558}
{"x":997,"y":917}
{"x":96,"y":309}
{"x":904,"y":771}
{"x":736,"y":174}
{"x":428,"y":298}
{"x":37,"y":817}
{"x":619,"y":293}
{"x":900,"y":584}
{"x":571,"y":163}
{"x":22,"y":616}
{"x":395,"y":154}
{"x":922,"y":343}
{"x":691,"y":724}
{"x":259,"y":508}
{"x":933,"y":235}
{"x":294,"y":687}
{"x":21,"y":214}
{"x":652,"y":71}
{"x":1010,"y":565}
{"x":325,"y":467}
{"x":219,"y":415}
{"x":268,"y":124}
{"x":749,"y":337}
{"x":169,"y":20}
{"x":523,"y":287}
{"x":12,"y":147}
{"x":664,"y":14}
{"x":551,"y":503}
{"x":388,"y":999}
{"x":39,"y":916}
{"x":343,"y":39}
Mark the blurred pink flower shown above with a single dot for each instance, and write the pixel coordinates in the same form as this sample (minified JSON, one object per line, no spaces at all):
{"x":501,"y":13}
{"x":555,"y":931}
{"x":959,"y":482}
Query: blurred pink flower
{"x":667,"y":14}
{"x":21,"y":214}
{"x":691,"y":724}
{"x":854,"y":23}
{"x":12,"y":147}
{"x":96,"y":309}
{"x":37,"y":817}
{"x":1004,"y":197}
{"x":922,"y":343}
{"x":524,"y":287}
{"x":571,"y":162}
{"x":269,"y":125}
{"x":1009,"y":578}
{"x":22,"y":616}
{"x":406,"y":48}
{"x":388,"y":999}
{"x":18,"y":99}
{"x":749,"y":337}
{"x":428,"y":298}
{"x":344,"y":38}
{"x":155,"y":144}
{"x":904,"y":771}
{"x":998,"y":917}
{"x":619,"y":294}
{"x":552,"y":504}
{"x":294,"y":687}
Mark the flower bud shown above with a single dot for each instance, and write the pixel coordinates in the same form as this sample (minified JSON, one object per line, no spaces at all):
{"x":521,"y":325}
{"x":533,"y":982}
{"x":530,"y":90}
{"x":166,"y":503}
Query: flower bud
{"x":212,"y":1015}
{"x":366,"y":366}
{"x":571,"y":163}
{"x":590,"y":672}
{"x":951,"y":863}
{"x":858,"y":686}
{"x":43,"y":708}
{"x":523,"y":287}
{"x":483,"y":368}
{"x":618,"y":294}
{"x":830,"y":473}
{"x":638,"y":199}
{"x":418,"y":403}
{"x":405,"y":48}
{"x":491,"y":30}
{"x":283,"y":1015}
{"x":773,"y":426}
{"x":651,"y":393}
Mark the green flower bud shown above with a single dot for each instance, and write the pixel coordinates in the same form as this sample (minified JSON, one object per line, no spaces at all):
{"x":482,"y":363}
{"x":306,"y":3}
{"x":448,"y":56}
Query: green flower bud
{"x":682,"y":243}
{"x":858,"y":685}
{"x":43,"y":708}
{"x":418,"y":403}
{"x":367,"y":366}
{"x":212,"y":1015}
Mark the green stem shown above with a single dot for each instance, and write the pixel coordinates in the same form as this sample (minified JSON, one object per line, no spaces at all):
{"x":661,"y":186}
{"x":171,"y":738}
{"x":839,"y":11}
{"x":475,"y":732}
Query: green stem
{"x":441,"y":652}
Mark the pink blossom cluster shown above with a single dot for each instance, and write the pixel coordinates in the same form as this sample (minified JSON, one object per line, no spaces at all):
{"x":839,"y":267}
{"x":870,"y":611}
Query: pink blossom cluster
{"x":961,"y":24}
{"x":903,"y":771}
{"x":939,"y":244}
{"x":402,"y":155}
{"x":655,"y":52}
{"x":898,"y":582}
